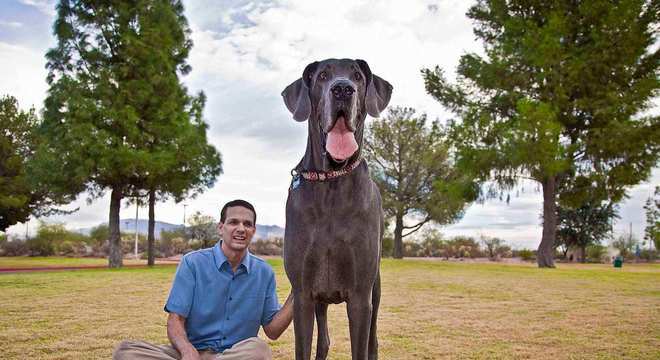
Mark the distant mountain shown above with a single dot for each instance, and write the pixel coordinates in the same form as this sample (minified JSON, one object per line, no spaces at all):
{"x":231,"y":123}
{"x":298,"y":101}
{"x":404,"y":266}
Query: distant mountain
{"x":128,"y":226}
{"x":268,"y":231}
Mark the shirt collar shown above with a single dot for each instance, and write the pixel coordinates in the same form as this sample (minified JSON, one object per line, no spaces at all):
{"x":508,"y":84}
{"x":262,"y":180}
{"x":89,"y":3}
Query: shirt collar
{"x":220,"y":257}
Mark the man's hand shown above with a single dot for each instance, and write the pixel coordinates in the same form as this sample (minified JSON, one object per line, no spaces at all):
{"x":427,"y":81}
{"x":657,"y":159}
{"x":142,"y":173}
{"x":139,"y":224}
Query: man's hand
{"x":281,"y":320}
{"x":176,"y":332}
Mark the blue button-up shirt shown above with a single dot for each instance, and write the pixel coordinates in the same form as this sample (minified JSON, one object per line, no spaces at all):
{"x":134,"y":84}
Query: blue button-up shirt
{"x":222,"y":307}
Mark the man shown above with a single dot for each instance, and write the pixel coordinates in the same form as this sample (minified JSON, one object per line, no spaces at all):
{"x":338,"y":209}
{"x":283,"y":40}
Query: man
{"x":219,"y":298}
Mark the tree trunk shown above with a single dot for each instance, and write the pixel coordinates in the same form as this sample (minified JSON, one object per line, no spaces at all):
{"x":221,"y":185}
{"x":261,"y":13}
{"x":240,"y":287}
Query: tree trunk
{"x":546,"y":250}
{"x":151,"y":257}
{"x":115,"y":258}
{"x":398,"y":237}
{"x":583,"y":254}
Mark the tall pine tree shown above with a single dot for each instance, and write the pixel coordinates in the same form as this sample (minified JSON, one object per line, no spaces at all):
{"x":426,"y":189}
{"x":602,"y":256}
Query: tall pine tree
{"x":114,"y":89}
{"x":558,"y":97}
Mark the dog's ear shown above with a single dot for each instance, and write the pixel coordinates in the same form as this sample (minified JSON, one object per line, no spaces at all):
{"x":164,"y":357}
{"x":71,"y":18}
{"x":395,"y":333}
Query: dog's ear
{"x":379,"y":91}
{"x":296,"y":96}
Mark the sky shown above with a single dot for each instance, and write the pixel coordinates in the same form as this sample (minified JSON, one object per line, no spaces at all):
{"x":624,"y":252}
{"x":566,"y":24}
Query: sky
{"x":245,"y":53}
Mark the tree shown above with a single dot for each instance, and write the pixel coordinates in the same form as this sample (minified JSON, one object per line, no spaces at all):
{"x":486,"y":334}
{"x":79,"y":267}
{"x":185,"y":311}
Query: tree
{"x":411,"y":165}
{"x":495,"y":247}
{"x":114,"y":88}
{"x":203,"y":228}
{"x":21,"y":193}
{"x":100,"y":234}
{"x":559,"y":95}
{"x":626,"y":244}
{"x":587,"y":225}
{"x":16,"y":146}
{"x":652,"y":229}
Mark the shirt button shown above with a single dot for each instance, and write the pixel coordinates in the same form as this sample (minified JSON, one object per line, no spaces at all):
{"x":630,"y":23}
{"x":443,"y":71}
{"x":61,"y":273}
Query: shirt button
{"x":224,"y":338}
{"x":227,"y":318}
{"x":230,"y":298}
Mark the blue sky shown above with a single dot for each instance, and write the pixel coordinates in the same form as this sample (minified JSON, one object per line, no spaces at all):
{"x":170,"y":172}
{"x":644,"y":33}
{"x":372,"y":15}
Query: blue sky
{"x":246,"y":52}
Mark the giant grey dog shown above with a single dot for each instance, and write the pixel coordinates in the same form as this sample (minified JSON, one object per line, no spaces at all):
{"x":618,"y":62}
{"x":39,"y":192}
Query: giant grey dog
{"x":334,"y":218}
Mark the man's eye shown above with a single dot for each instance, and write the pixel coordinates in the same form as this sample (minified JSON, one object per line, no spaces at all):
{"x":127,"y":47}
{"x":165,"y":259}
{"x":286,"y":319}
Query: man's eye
{"x":248,"y":225}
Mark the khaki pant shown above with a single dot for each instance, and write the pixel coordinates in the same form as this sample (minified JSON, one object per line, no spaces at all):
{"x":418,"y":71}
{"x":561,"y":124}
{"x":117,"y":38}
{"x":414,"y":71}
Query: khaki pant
{"x":248,"y":349}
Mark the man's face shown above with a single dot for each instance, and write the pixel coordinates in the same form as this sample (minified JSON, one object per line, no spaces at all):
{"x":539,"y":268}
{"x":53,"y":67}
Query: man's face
{"x":238,"y":228}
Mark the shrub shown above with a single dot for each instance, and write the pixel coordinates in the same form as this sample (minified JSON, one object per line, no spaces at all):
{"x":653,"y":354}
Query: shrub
{"x":596,"y":253}
{"x":648,"y":255}
{"x":525,"y":254}
{"x":271,"y":246}
{"x":38,"y":246}
{"x":387,"y":249}
{"x":14,"y":247}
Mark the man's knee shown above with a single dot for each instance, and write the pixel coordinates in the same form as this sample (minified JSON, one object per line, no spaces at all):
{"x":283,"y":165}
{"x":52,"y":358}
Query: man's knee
{"x":123,"y":349}
{"x":255,"y":349}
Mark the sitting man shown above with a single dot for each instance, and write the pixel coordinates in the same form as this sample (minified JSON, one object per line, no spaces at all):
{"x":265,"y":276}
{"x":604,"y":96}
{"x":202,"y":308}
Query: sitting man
{"x":219,"y":298}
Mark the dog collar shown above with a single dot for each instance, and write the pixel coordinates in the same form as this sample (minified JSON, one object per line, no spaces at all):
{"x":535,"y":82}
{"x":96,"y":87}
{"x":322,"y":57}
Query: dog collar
{"x":324,"y":175}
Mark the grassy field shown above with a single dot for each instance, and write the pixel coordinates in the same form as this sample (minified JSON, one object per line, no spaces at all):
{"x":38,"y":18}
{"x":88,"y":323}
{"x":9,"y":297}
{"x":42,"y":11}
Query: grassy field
{"x":22,"y":262}
{"x":429,"y":310}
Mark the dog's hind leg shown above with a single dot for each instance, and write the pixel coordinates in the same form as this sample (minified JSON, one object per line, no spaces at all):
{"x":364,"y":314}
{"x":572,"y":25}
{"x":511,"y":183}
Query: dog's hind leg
{"x":375,"y":302}
{"x":323,"y":340}
{"x":303,"y":325}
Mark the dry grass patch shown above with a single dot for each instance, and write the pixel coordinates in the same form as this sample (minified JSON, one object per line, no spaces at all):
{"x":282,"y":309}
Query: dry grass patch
{"x":429,"y":310}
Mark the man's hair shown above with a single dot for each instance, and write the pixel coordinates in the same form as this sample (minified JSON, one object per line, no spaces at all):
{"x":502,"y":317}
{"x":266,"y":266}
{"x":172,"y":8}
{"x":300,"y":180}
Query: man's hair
{"x":237,"y":202}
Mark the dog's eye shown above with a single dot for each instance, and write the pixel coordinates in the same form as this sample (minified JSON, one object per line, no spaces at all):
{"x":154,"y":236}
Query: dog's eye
{"x":323,"y":75}
{"x":357,"y":76}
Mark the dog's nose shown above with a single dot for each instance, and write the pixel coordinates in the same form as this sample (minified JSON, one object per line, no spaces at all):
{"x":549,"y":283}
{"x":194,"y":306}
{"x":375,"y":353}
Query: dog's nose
{"x":342,"y":91}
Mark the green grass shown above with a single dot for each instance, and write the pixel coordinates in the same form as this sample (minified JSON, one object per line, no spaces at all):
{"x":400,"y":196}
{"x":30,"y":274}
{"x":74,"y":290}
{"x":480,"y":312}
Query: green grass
{"x":429,"y":310}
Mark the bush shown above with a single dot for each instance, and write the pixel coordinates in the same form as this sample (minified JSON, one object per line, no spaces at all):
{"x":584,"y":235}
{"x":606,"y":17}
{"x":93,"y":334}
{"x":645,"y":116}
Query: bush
{"x":525,"y":254}
{"x":272,"y":246}
{"x":596,"y":253}
{"x":15,"y":247}
{"x":388,"y":245}
{"x":648,"y":255}
{"x":38,"y":246}
{"x":495,"y":248}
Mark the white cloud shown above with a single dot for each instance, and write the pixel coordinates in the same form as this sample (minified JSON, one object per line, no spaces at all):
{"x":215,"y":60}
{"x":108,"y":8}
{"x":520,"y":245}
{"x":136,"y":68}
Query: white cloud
{"x":11,"y":24}
{"x":23,"y":74}
{"x":45,"y":6}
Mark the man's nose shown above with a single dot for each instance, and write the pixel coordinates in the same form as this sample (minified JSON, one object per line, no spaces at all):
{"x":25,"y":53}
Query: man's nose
{"x":342,"y":90}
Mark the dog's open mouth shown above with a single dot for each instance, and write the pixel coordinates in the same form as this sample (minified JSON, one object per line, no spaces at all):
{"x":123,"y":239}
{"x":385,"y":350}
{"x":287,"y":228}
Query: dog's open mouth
{"x":341,"y":143}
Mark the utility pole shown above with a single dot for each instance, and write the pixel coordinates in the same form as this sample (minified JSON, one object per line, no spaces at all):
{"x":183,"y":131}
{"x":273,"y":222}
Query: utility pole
{"x":184,"y":215}
{"x":136,"y":228}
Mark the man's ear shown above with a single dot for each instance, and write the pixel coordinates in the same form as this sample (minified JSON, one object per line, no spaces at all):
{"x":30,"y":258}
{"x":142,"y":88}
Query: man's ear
{"x":378,"y":93}
{"x":296,"y":95}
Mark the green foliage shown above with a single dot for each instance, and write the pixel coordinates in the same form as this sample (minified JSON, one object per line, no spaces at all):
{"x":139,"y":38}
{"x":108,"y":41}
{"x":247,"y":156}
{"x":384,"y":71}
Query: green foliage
{"x":525,"y":254}
{"x":204,"y":229}
{"x":117,"y":117}
{"x":21,"y":193}
{"x":55,"y":239}
{"x":100,"y":234}
{"x":411,"y":164}
{"x":596,"y":253}
{"x":557,"y":97}
{"x":587,"y":225}
{"x":652,"y":229}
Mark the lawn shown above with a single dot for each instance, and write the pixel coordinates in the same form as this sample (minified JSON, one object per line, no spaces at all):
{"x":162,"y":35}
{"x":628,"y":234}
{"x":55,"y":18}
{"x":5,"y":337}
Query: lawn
{"x":429,"y":310}
{"x":22,"y":262}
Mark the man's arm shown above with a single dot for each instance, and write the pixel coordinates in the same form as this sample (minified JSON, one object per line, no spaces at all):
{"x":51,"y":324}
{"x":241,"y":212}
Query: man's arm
{"x":176,"y":332}
{"x":281,"y":320}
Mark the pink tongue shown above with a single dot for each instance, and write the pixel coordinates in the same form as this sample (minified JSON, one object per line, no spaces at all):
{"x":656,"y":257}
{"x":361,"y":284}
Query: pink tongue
{"x":341,"y":142}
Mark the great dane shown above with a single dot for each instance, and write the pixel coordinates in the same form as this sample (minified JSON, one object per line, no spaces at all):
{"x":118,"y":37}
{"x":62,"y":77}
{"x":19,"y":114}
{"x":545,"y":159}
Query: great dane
{"x":334,"y":218}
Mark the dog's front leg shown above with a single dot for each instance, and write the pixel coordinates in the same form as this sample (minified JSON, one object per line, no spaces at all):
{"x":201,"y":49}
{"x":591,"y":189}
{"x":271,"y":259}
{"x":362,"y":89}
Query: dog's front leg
{"x":303,"y":324}
{"x":359,"y":322}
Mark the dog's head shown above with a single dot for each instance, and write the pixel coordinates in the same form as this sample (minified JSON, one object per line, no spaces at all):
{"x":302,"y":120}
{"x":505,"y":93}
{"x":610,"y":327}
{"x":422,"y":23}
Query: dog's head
{"x":338,"y":94}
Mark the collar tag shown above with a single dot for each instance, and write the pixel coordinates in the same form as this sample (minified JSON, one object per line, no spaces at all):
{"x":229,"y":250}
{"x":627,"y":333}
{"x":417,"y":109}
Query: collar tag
{"x":295,"y":182}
